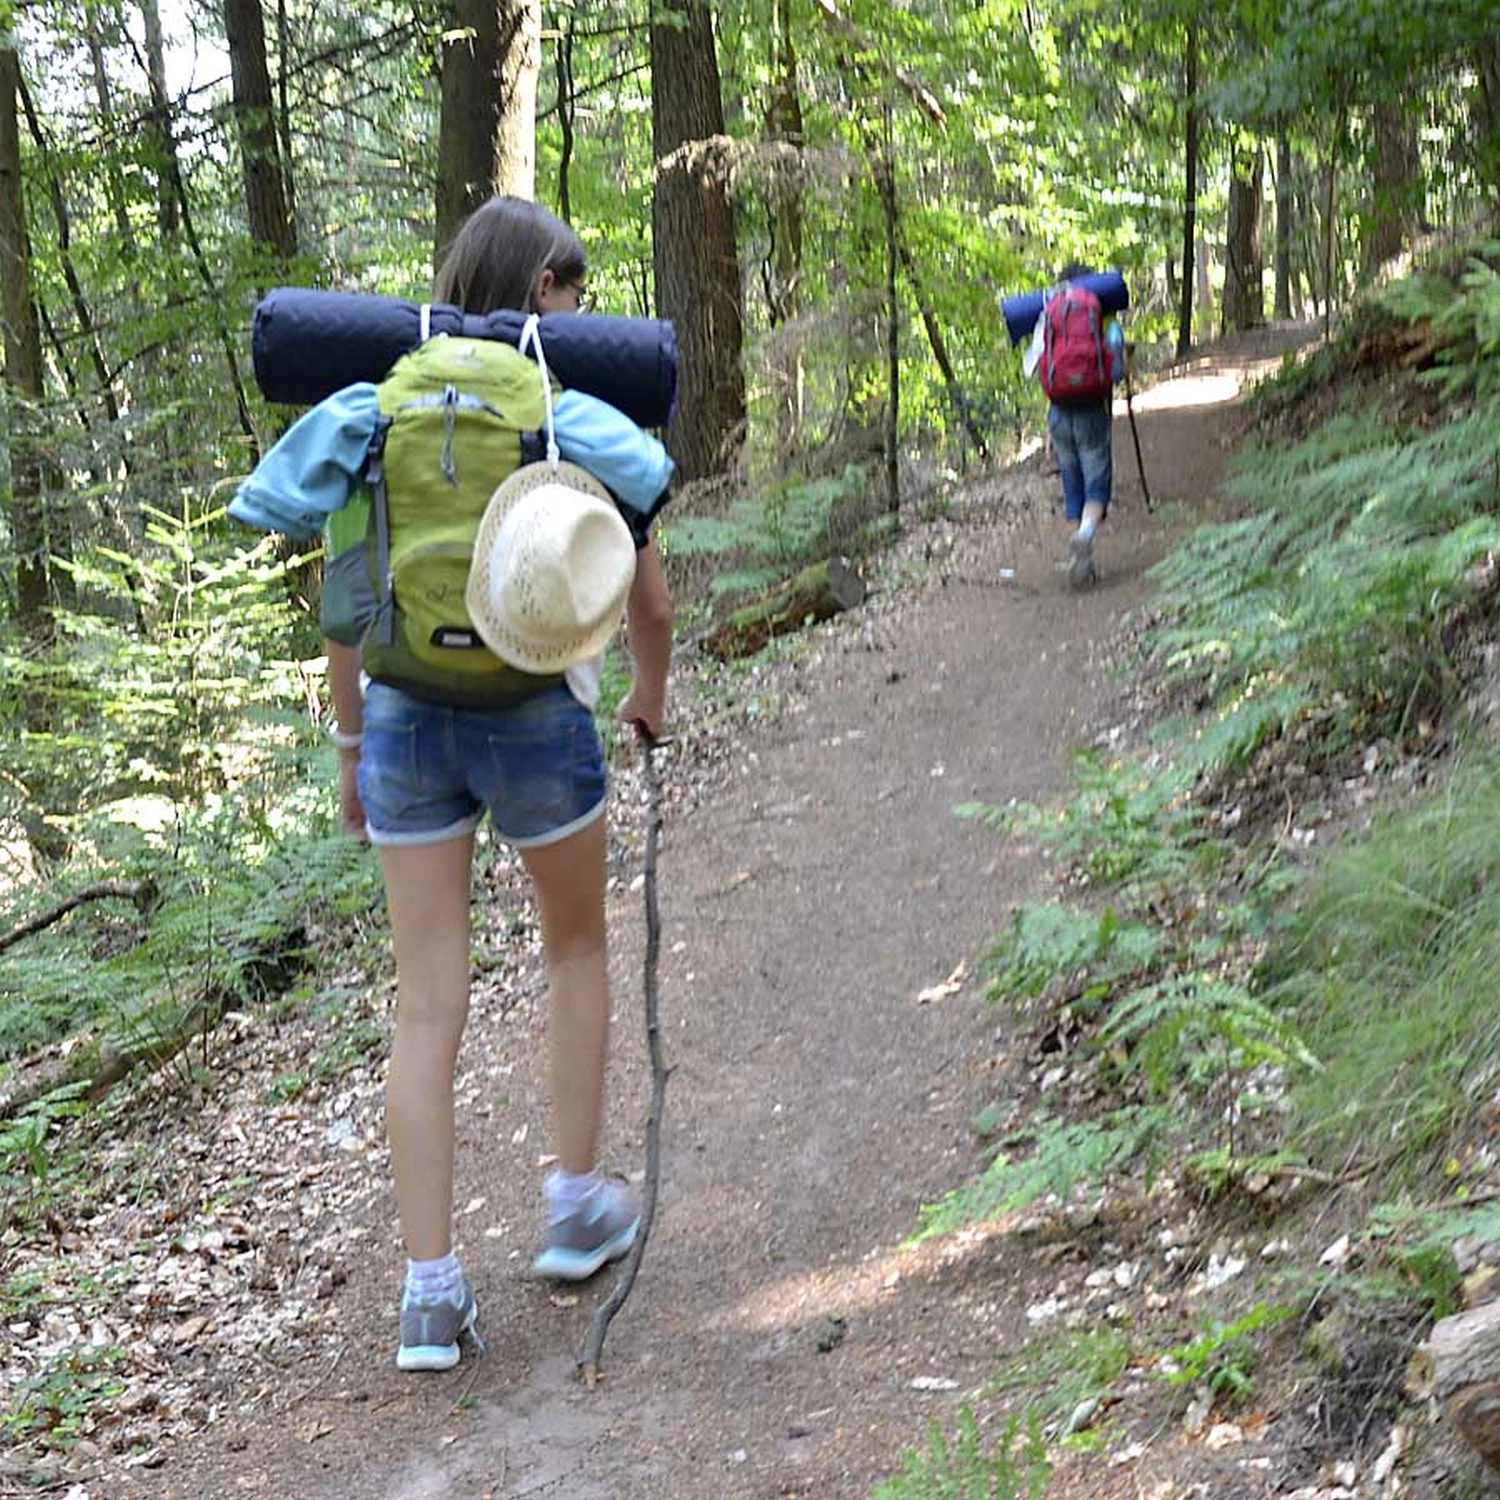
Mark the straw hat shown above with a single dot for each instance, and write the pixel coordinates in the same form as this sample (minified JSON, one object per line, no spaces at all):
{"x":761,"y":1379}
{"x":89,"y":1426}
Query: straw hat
{"x":553,"y":564}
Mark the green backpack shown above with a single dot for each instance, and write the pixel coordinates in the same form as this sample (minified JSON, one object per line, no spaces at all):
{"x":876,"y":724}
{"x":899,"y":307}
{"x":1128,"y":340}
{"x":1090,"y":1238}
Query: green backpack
{"x":456,"y":415}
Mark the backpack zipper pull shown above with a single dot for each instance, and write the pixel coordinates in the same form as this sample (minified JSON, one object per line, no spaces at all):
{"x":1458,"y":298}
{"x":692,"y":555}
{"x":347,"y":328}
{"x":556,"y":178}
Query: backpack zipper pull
{"x":445,"y":459}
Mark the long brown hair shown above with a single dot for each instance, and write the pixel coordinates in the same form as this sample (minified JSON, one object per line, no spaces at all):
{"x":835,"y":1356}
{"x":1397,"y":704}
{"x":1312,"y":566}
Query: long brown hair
{"x":500,"y":250}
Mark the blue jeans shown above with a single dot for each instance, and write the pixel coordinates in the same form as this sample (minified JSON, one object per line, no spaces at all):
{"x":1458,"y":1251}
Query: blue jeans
{"x":428,"y":773}
{"x":1080,"y":439}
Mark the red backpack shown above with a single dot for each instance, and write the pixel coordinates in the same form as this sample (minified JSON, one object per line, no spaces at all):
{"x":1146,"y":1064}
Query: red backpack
{"x":1075,"y":364}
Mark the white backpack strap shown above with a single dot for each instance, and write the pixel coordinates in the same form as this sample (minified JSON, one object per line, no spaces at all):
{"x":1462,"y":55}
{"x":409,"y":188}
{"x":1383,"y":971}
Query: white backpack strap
{"x":531,"y":333}
{"x":424,"y":326}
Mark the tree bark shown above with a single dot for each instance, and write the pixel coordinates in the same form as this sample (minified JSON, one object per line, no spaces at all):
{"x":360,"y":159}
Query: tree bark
{"x":1329,"y":233}
{"x":487,"y":122}
{"x":783,"y":270}
{"x":1189,"y":188}
{"x":262,"y":168}
{"x":566,"y":107}
{"x":695,"y":254}
{"x":1388,"y":215}
{"x":885,"y":181}
{"x":23,"y":375}
{"x":514,"y":170}
{"x":1284,"y":201}
{"x":164,"y":145}
{"x":1485,"y":110}
{"x":1244,"y":296}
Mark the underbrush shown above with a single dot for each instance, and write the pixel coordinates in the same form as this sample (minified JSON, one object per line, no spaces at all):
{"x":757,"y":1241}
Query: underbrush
{"x":1293,"y":1034}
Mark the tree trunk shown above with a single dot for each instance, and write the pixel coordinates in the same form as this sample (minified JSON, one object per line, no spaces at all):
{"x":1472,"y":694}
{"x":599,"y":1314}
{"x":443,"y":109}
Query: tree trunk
{"x":487,"y":124}
{"x":885,"y":179}
{"x":23,"y":376}
{"x":1389,"y":213}
{"x":1485,"y":110}
{"x":1284,"y":201}
{"x":266,"y":211}
{"x":520,"y":67}
{"x":113,"y":181}
{"x":164,"y":146}
{"x":1189,"y":188}
{"x":1329,"y":236}
{"x":696,"y":261}
{"x":565,"y":112}
{"x":1244,"y":294}
{"x":784,"y":126}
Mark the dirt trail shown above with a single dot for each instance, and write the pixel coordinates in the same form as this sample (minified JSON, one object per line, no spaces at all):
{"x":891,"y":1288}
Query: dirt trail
{"x":779,"y":1341}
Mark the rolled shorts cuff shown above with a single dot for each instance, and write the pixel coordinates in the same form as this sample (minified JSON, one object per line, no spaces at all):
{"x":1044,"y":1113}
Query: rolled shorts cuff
{"x":404,"y":839}
{"x":557,"y":835}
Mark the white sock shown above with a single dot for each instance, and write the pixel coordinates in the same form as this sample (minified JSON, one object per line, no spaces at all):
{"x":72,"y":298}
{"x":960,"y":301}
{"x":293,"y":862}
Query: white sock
{"x":436,"y":1280}
{"x":1086,"y":528}
{"x":567,"y":1190}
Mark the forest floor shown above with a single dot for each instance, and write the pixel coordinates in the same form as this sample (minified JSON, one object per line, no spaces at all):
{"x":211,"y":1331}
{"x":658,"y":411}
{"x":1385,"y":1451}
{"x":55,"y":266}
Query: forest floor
{"x":823,"y":913}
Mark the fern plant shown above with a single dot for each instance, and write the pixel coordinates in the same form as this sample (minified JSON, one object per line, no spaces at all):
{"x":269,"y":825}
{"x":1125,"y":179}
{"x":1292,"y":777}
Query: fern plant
{"x":966,"y":1467}
{"x":774,"y":531}
{"x":1064,"y":1155}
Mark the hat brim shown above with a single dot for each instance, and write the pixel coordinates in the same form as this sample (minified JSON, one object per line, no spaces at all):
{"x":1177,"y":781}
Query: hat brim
{"x":492,"y":630}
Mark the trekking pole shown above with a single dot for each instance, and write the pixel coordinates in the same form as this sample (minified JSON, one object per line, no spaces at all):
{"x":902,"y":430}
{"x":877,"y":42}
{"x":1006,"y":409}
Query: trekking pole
{"x":594,"y":1345}
{"x":1135,"y":436}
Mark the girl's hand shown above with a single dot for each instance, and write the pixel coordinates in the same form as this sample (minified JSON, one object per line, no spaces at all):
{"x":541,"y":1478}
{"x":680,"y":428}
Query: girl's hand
{"x":638,"y":709}
{"x":351,"y":809}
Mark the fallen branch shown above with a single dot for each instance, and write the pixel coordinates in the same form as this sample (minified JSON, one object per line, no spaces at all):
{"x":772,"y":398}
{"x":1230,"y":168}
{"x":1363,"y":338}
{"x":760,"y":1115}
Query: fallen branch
{"x":818,"y":592}
{"x":143,"y":893}
{"x":99,"y":1059}
{"x":594,"y":1346}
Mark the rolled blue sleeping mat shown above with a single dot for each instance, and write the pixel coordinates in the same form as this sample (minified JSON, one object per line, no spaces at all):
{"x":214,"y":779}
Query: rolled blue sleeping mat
{"x":1022,"y":310}
{"x":308,"y":344}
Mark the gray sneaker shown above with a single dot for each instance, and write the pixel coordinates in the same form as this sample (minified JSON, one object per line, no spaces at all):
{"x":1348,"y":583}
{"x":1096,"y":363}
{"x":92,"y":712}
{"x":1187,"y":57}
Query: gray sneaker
{"x":430,"y":1331}
{"x":1081,"y":564}
{"x":602,"y":1228}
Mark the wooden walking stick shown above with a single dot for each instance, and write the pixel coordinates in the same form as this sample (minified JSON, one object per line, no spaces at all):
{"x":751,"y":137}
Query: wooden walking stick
{"x":1135,"y":436}
{"x":594,"y":1345}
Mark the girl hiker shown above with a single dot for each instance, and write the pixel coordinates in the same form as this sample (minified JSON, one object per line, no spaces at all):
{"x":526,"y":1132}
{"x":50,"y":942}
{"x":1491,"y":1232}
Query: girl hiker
{"x":443,"y":736}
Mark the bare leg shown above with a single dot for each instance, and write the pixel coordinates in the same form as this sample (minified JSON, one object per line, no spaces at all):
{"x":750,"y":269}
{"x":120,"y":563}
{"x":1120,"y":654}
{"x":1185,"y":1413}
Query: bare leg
{"x":569,"y":877}
{"x":427,"y":889}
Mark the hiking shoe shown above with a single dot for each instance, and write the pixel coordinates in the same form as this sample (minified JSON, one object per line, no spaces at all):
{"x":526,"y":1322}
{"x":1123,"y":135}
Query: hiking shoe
{"x":1081,"y":564}
{"x":602,"y":1228}
{"x":430,"y":1331}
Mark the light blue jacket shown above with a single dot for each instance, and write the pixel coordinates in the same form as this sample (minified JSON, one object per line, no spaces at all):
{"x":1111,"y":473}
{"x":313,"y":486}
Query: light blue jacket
{"x":317,"y":465}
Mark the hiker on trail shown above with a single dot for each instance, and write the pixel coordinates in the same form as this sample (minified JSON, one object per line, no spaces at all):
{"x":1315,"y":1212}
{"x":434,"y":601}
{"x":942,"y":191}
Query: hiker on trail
{"x":1078,"y":354}
{"x":489,"y":709}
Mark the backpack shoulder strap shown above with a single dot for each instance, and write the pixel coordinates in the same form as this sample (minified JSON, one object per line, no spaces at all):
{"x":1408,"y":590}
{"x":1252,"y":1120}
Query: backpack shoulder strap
{"x":384,"y":623}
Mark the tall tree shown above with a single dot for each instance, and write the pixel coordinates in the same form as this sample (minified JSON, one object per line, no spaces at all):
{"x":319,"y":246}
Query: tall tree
{"x":1285,"y":198}
{"x":1244,"y":295}
{"x":163,"y":146}
{"x":693,"y":237}
{"x":1388,"y":209}
{"x":23,"y":371}
{"x":1189,"y":184}
{"x":266,"y":196}
{"x":487,"y":120}
{"x":784,"y":211}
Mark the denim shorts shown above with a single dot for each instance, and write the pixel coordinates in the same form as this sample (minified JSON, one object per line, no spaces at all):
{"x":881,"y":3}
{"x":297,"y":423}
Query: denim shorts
{"x":428,"y":773}
{"x":1081,"y":441}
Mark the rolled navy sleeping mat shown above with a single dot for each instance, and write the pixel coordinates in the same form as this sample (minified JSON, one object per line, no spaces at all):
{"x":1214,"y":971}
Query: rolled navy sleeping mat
{"x":307,"y":344}
{"x":1022,"y":310}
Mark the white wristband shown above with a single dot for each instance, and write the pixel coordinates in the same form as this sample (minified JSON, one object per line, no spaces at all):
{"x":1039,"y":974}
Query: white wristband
{"x":344,"y":740}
